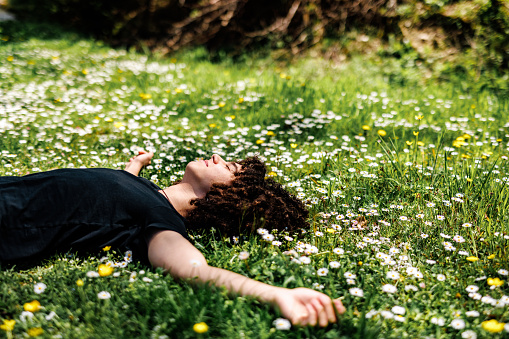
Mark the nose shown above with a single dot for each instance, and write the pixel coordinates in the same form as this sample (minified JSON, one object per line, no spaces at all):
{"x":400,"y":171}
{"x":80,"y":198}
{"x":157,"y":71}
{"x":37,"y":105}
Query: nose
{"x":216,"y":159}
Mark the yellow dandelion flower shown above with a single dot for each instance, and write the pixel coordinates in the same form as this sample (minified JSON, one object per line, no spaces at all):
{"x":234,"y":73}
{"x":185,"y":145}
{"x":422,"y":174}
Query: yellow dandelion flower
{"x":420,"y":143}
{"x":472,"y":259}
{"x":293,"y":145}
{"x":491,"y":256}
{"x":241,"y":100}
{"x":79,"y":282}
{"x":366,"y":127}
{"x":8,"y":325}
{"x":200,"y":327}
{"x":221,"y":104}
{"x":493,"y":326}
{"x":212,"y":125}
{"x":495,"y":282}
{"x":272,"y":174}
{"x":419,"y":117}
{"x":32,"y":306}
{"x":282,"y":75}
{"x":409,"y":143}
{"x":118,"y":124}
{"x":382,"y":133}
{"x":259,"y":141}
{"x":179,"y":90}
{"x":85,"y":71}
{"x":106,"y":248}
{"x":145,"y":96}
{"x":270,"y":133}
{"x":416,"y":133}
{"x":34,"y":332}
{"x":10,"y":58}
{"x":105,"y":270}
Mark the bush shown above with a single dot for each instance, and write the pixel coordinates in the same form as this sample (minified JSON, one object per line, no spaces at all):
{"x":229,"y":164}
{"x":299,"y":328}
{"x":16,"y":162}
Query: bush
{"x":442,"y":36}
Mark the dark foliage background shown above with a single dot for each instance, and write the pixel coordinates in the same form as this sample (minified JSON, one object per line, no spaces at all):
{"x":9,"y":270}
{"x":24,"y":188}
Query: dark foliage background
{"x":446,"y":36}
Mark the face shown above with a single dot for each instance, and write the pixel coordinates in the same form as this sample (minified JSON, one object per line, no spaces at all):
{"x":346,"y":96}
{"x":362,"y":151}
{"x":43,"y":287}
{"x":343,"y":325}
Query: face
{"x":202,"y":174}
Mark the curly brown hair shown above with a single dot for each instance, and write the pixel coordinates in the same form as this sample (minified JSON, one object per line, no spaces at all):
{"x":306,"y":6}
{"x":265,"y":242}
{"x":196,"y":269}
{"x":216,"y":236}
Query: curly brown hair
{"x":250,"y":201}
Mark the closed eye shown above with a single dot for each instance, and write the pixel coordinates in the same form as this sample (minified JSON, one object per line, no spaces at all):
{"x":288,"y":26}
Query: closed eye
{"x":235,"y":170}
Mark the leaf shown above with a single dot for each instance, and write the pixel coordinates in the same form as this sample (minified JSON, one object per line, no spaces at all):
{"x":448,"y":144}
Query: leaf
{"x":288,"y":280}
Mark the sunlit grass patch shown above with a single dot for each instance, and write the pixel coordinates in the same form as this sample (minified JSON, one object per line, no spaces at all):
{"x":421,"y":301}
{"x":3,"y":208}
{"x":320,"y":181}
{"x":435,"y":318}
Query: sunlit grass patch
{"x":407,"y":189}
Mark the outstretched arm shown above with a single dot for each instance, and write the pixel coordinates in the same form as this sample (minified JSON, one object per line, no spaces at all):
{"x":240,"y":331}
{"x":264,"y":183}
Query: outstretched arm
{"x":136,"y":163}
{"x":302,"y":306}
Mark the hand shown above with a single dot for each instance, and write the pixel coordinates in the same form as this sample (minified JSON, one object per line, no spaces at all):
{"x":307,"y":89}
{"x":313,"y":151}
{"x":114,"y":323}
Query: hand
{"x":143,"y":158}
{"x":303,"y":306}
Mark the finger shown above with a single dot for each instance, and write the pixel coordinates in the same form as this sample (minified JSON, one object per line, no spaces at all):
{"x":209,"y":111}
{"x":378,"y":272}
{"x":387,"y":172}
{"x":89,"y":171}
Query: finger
{"x":311,"y":320}
{"x":300,"y":319}
{"x":320,"y":312}
{"x":339,"y":306}
{"x":141,"y":152}
{"x":329,"y":309}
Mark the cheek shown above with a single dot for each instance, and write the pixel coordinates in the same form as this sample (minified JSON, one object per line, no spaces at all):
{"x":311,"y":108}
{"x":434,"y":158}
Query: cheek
{"x":224,"y":178}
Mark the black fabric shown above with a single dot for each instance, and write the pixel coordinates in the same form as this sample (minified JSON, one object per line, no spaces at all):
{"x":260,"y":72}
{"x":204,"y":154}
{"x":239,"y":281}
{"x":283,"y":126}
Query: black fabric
{"x":80,"y":210}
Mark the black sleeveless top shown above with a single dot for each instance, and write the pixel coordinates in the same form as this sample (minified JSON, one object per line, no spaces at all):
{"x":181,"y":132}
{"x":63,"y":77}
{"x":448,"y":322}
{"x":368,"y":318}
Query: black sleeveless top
{"x":80,"y":210}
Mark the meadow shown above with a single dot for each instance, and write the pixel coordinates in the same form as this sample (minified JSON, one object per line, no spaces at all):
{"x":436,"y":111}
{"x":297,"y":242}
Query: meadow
{"x":406,"y":184}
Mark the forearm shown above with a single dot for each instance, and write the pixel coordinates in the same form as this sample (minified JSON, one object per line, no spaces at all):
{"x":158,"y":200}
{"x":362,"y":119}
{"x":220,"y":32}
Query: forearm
{"x":134,"y":167}
{"x":235,"y":283}
{"x":170,"y":251}
{"x":136,"y":163}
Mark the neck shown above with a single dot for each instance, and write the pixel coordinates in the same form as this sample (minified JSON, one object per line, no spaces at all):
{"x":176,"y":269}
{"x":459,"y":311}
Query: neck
{"x":180,"y":196}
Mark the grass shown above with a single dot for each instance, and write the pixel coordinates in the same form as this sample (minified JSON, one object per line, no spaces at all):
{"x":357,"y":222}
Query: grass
{"x":407,"y":187}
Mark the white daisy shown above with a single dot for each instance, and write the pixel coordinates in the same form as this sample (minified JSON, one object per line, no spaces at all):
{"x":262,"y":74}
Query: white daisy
{"x":334,"y":264}
{"x":39,"y":288}
{"x":322,"y":272}
{"x":398,"y":310}
{"x":356,"y":292}
{"x":458,"y":324}
{"x":282,"y":324}
{"x":104,"y":295}
{"x":392,"y":275}
{"x":472,"y":288}
{"x":388,"y":288}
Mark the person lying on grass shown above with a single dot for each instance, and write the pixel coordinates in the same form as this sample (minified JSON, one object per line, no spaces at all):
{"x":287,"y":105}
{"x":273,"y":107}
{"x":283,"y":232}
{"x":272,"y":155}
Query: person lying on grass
{"x":87,"y":209}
